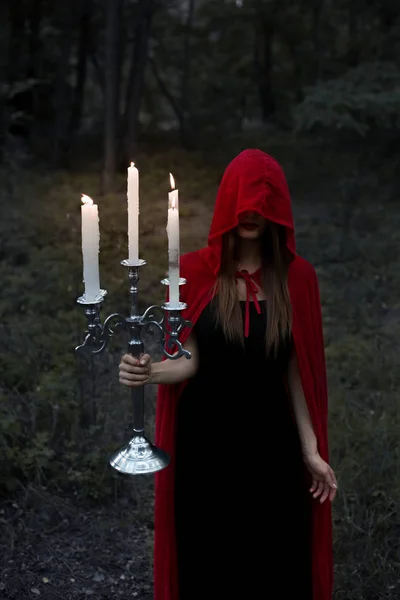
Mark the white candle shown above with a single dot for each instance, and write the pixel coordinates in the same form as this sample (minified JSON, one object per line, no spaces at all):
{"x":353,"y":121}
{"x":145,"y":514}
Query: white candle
{"x":133,"y":212}
{"x":90,"y":248}
{"x":173,"y":244}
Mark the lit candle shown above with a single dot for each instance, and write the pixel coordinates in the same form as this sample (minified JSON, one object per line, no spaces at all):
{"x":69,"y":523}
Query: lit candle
{"x":90,"y":248}
{"x":133,"y":212}
{"x":173,"y":244}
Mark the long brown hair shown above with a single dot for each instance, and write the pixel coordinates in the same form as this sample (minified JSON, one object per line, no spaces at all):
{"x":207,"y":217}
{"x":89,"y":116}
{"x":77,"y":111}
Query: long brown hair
{"x":275,"y":259}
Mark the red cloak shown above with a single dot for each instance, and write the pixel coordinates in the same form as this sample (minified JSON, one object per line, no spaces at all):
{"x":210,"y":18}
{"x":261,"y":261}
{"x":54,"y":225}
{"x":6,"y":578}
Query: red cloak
{"x":253,"y":181}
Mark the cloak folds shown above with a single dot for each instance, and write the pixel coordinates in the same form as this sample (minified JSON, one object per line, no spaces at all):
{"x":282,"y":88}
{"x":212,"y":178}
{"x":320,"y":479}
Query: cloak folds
{"x":253,"y":181}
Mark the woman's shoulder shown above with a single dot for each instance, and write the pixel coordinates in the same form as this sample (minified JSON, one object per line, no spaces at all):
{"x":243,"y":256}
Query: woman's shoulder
{"x":189,"y":258}
{"x":190,"y":262}
{"x":194,"y":262}
{"x":198,"y":275}
{"x":199,"y":278}
{"x":300,"y":267}
{"x":302,"y":274}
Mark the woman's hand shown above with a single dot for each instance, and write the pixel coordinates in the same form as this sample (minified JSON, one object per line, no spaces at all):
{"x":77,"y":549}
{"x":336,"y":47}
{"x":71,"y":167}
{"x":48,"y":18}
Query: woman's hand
{"x":134,"y":372}
{"x":324,"y":482}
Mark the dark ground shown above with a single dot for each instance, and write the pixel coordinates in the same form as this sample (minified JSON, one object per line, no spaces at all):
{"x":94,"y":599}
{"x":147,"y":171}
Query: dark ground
{"x":58,"y":551}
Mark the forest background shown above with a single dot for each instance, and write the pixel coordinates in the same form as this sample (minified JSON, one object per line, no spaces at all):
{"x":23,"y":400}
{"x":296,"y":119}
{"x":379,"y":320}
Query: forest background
{"x":88,"y":86}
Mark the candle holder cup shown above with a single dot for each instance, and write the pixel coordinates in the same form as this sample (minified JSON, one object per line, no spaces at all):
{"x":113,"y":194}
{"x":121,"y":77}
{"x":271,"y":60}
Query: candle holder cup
{"x":140,"y":455}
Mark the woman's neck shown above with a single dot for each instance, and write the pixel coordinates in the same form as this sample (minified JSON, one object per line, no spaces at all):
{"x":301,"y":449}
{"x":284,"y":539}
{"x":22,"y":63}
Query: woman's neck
{"x":249,"y":256}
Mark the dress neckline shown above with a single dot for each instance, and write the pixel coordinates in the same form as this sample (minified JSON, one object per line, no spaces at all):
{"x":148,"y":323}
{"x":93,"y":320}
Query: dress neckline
{"x":253,"y":285}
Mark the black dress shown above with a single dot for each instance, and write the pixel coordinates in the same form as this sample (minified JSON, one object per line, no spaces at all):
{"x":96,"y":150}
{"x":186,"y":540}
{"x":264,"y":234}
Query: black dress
{"x":242,"y":507}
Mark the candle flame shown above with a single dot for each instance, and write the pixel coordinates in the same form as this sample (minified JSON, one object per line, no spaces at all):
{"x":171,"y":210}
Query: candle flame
{"x":172,"y":181}
{"x":86,"y":200}
{"x":132,"y":164}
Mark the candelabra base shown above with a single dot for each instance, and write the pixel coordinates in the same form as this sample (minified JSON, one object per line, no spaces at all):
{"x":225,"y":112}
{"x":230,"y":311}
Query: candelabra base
{"x":139,"y":456}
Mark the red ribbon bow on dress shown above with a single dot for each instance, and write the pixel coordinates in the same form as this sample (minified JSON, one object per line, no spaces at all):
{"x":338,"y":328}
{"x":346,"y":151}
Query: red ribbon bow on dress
{"x":253,"y":283}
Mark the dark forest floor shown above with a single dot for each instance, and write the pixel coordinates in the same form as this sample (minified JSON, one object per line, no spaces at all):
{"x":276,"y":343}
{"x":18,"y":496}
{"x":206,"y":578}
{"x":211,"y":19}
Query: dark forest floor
{"x":58,"y":551}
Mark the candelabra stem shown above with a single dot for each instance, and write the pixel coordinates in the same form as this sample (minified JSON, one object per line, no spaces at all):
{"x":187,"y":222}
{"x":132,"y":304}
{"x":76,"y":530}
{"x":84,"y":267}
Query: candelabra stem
{"x":133,"y":275}
{"x":139,"y":455}
{"x":135,"y":347}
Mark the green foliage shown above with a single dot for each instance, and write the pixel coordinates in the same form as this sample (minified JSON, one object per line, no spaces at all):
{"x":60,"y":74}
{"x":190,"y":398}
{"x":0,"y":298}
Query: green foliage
{"x":363,"y":99}
{"x":25,"y":450}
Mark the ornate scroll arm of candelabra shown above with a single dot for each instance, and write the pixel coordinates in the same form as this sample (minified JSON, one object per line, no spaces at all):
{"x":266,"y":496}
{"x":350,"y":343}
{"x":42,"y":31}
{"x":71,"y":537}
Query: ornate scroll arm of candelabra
{"x":94,"y":329}
{"x":168,"y":339}
{"x":172,"y":341}
{"x":113,"y":324}
{"x":98,"y":335}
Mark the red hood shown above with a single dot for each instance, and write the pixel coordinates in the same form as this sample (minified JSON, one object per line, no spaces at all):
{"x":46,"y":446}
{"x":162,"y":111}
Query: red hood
{"x":253,"y":181}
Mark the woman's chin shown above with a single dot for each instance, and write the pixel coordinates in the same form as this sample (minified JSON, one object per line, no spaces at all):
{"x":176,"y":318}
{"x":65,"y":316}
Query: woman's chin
{"x":248,"y":234}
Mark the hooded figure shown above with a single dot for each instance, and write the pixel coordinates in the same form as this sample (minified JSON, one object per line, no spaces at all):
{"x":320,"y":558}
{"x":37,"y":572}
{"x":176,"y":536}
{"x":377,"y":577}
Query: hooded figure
{"x":233,"y":510}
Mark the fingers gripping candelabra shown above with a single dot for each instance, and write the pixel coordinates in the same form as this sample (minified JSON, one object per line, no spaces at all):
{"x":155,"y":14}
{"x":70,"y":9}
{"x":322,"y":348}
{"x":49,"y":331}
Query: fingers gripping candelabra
{"x":139,"y":455}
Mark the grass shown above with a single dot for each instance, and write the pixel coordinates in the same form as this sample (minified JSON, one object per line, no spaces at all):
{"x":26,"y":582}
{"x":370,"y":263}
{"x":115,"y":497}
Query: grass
{"x":61,"y":415}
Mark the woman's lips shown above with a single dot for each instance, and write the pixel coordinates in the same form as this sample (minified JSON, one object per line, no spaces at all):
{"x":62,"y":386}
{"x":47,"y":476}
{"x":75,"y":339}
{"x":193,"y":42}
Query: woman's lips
{"x":250,"y":226}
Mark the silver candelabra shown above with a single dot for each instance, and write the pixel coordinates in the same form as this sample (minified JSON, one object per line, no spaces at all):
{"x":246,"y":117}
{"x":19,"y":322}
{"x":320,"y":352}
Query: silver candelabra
{"x":139,"y":455}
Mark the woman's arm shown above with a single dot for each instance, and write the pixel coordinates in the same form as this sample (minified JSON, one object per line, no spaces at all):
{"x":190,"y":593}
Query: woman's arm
{"x":135,"y":372}
{"x":324,"y":484}
{"x":176,"y":371}
{"x":300,"y":409}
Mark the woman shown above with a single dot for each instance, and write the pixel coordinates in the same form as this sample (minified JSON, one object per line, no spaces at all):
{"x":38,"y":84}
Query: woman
{"x":244,"y":507}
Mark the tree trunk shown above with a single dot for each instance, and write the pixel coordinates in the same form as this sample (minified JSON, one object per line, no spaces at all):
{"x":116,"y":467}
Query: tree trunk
{"x":35,"y":19}
{"x":3,"y":73}
{"x":353,"y":54}
{"x":111,"y":84}
{"x":61,"y":138}
{"x":317,"y":37}
{"x":263,"y":65}
{"x":15,"y":40}
{"x":83,"y":48}
{"x":168,"y":95}
{"x":185,"y":82}
{"x":136,"y":77}
{"x":297,"y":79}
